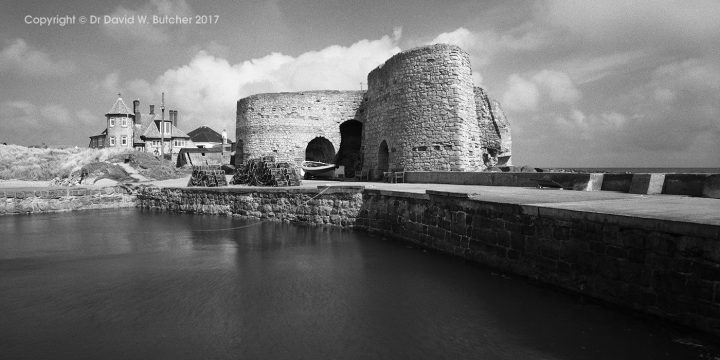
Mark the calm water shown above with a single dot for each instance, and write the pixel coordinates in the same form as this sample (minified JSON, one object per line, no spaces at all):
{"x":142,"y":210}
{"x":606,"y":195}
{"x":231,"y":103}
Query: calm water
{"x":125,"y":284}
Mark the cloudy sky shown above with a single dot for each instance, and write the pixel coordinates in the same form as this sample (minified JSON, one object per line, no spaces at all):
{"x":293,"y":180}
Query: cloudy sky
{"x":584,"y":83}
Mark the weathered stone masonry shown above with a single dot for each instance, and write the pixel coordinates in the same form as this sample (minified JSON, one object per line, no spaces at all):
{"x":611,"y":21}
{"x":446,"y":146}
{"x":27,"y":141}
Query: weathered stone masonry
{"x":665,"y":268}
{"x":421,"y":112}
{"x":27,"y":201}
{"x":283,"y":124}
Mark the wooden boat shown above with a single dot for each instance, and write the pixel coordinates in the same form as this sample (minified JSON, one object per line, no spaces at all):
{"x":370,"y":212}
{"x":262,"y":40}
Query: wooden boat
{"x":316,"y":168}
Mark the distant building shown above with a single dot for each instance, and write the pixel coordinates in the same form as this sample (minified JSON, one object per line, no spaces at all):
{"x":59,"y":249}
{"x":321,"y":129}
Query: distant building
{"x":205,"y":137}
{"x":131,"y":129}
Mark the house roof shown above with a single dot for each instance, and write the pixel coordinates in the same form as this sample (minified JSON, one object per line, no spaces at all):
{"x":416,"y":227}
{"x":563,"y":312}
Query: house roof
{"x":150,"y":130}
{"x":141,"y":126}
{"x":205,"y":134}
{"x":119,"y":108}
{"x":103,"y":133}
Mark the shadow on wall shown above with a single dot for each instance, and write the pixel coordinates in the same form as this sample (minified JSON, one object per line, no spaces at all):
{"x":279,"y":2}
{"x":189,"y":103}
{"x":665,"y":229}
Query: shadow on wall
{"x":383,"y":157}
{"x":320,"y":149}
{"x":350,"y":146}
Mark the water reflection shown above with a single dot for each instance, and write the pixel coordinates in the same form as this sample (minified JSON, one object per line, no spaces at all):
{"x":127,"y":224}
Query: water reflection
{"x":139,"y":284}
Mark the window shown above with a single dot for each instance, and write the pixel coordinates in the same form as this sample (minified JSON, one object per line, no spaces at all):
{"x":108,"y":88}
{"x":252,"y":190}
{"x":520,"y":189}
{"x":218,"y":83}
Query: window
{"x":167,"y":127}
{"x":124,"y":122}
{"x":156,"y":143}
{"x":123,"y":140}
{"x":112,"y":122}
{"x":112,"y":141}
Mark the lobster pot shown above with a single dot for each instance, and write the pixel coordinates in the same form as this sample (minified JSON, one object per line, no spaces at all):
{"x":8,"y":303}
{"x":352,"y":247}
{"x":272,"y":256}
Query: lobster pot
{"x":208,"y":176}
{"x":266,"y":171}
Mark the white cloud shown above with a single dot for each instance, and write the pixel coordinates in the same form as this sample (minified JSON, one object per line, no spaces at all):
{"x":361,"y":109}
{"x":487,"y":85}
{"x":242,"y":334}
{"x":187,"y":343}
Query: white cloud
{"x":639,"y":23}
{"x":558,"y":86}
{"x":205,"y":91}
{"x":483,"y":46}
{"x":18,"y":56}
{"x":55,"y":114}
{"x":49,"y":123}
{"x":86,"y":117}
{"x":18,"y":113}
{"x":521,"y":96}
{"x":589,"y":68}
{"x":461,"y":37}
{"x":147,"y":32}
{"x":546,"y":86}
{"x":111,"y":82}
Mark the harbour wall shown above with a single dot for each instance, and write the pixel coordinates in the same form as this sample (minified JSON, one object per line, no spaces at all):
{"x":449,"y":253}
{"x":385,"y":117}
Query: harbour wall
{"x":666,"y":268}
{"x":699,"y":185}
{"x":42,"y":200}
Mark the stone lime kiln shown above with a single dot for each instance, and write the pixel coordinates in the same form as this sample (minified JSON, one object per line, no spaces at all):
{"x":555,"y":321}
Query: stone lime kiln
{"x":421,"y":112}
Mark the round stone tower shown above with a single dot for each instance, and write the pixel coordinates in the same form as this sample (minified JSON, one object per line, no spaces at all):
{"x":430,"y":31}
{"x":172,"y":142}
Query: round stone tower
{"x":421,"y":113}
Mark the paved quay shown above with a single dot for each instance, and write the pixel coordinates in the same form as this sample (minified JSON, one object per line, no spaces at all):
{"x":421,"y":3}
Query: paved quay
{"x":662,"y":207}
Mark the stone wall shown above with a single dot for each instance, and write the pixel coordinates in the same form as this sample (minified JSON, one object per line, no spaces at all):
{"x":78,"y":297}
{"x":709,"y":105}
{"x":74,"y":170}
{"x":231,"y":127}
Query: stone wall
{"x":494,"y":130}
{"x":660,"y":267}
{"x":283,"y":124}
{"x":422,"y":104}
{"x":421,"y":112}
{"x":31,"y":201}
{"x":327,"y":206}
{"x":669,"y":269}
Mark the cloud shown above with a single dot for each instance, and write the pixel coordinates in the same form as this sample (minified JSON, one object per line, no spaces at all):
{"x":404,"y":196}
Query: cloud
{"x":677,"y":106}
{"x":521,"y":96}
{"x":50,"y":123}
{"x":484,"y":46}
{"x":637,"y":23}
{"x":18,"y":56}
{"x":557,"y":85}
{"x":589,"y":68}
{"x":147,"y":32}
{"x":205,"y":91}
{"x":461,"y":37}
{"x":546,"y":86}
{"x":111,"y":82}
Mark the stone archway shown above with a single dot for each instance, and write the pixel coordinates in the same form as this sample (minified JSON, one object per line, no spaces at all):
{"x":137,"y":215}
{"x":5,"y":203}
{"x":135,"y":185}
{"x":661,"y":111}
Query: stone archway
{"x":383,"y":157}
{"x":320,"y":149}
{"x":350,"y":144}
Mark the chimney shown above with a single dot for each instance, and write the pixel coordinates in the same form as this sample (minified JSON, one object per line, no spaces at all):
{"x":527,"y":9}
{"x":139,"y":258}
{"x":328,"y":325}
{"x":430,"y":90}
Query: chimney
{"x":174,"y":118}
{"x":136,"y":106}
{"x":152,"y":109}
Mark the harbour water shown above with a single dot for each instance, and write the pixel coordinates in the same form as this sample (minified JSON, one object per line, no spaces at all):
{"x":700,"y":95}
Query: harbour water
{"x":130,"y":284}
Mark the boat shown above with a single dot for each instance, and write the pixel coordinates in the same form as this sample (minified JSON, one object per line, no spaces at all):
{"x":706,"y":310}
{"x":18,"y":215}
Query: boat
{"x":316,"y":168}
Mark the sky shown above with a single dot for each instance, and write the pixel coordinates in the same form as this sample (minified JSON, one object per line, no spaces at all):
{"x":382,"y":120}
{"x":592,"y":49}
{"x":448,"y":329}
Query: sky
{"x":610,"y":83}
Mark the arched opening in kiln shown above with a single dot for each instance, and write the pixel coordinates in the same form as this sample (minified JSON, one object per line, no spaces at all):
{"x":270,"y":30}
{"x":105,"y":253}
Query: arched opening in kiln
{"x":383,"y":157}
{"x":320,"y":149}
{"x":350,"y":143}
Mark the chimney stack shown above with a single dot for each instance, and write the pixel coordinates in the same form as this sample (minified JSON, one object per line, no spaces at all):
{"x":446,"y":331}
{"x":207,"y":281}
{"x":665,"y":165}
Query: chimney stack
{"x":136,"y":106}
{"x":152,"y":109}
{"x":173,"y":117}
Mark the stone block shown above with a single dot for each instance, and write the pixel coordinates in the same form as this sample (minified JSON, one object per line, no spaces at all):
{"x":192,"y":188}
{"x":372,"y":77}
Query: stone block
{"x":684,"y":184}
{"x":711,"y":187}
{"x":616,"y":182}
{"x":647,"y":184}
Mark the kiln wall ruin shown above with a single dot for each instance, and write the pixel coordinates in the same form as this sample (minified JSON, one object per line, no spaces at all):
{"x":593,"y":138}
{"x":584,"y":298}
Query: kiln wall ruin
{"x":421,"y":112}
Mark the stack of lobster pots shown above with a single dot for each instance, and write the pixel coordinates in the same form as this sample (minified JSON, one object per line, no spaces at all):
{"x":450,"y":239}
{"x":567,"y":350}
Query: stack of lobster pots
{"x":208,"y":176}
{"x":265,"y":171}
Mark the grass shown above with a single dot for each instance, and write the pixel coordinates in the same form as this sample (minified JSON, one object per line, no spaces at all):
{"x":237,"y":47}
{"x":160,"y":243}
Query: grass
{"x":23,"y":163}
